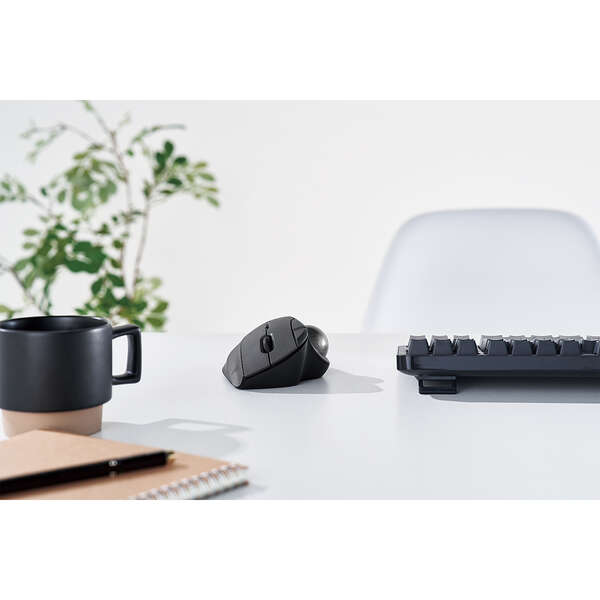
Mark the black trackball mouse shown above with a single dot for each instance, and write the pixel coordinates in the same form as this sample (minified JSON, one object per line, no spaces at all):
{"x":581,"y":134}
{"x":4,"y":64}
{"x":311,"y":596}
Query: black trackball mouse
{"x":278,"y":353}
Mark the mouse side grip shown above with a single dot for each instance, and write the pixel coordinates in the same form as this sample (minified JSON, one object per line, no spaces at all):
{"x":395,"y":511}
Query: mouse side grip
{"x":232,"y":369}
{"x":286,"y":373}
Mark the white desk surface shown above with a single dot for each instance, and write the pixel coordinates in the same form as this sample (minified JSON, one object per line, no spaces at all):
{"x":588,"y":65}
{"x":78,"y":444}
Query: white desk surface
{"x":363,"y":431}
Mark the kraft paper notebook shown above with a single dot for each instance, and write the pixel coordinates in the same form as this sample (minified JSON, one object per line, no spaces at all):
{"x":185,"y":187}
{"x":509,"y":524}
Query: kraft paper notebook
{"x":186,"y":476}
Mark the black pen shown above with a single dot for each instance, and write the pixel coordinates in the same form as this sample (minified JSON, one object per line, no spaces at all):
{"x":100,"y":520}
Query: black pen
{"x":104,"y":468}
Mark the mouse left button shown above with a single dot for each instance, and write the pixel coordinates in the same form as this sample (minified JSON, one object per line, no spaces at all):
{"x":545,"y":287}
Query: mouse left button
{"x":284,"y":342}
{"x":254,"y":359}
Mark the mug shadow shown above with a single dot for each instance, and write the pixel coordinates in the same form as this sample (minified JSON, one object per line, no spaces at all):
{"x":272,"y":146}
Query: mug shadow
{"x":183,"y":435}
{"x":334,"y":381}
{"x":523,"y":391}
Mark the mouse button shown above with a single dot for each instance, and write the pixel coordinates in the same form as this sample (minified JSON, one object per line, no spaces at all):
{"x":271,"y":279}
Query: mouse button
{"x":253,"y":359}
{"x":284,"y":342}
{"x":300,"y":332}
{"x":266,"y":343}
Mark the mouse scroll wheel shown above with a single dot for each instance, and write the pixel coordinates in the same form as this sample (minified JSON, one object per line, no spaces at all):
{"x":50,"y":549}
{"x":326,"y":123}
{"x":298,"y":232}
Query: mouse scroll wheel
{"x":266,"y":343}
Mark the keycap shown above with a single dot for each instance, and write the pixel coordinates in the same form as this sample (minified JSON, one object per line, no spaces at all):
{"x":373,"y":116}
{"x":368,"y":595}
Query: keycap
{"x":568,"y":346}
{"x":590,"y":345}
{"x":544,"y":345}
{"x":493,"y":345}
{"x":417,"y":345}
{"x":441,"y":345}
{"x":464,"y":345}
{"x":519,"y":345}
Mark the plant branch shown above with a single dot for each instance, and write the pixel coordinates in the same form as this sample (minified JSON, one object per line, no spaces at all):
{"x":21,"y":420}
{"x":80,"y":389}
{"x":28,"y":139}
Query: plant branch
{"x":61,"y":127}
{"x":80,"y":133}
{"x":6,"y":267}
{"x":27,"y":293}
{"x":113,"y":148}
{"x":142,"y":244}
{"x":39,"y":203}
{"x":101,"y":121}
{"x":127,"y":180}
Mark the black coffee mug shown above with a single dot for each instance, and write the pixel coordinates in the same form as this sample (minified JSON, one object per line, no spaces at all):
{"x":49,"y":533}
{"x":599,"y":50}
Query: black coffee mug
{"x":62,"y":363}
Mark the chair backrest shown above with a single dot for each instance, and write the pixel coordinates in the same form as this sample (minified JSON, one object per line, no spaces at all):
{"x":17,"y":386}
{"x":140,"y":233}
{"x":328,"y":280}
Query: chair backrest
{"x":498,"y":272}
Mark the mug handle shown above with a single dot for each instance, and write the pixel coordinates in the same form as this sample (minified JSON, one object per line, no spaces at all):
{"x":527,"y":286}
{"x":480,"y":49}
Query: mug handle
{"x":133,"y":373}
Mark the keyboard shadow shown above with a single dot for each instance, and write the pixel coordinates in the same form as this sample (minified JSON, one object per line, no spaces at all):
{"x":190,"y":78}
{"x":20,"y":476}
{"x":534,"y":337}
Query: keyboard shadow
{"x":516,"y":390}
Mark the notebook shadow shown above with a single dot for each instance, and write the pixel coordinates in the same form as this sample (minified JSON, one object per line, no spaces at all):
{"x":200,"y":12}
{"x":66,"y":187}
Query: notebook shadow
{"x":515,"y":390}
{"x":334,"y":381}
{"x":183,"y":435}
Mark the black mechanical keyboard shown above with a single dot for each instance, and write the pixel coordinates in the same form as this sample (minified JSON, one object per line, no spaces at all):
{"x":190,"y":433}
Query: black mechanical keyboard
{"x":437,"y":364}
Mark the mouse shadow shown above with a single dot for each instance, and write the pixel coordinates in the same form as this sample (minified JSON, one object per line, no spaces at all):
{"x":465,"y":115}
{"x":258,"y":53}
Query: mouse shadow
{"x":184,"y":435}
{"x":523,"y":391}
{"x":335,"y":381}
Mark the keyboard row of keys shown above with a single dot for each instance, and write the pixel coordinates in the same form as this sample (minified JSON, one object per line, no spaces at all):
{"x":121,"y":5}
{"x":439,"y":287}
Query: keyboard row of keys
{"x":497,"y":345}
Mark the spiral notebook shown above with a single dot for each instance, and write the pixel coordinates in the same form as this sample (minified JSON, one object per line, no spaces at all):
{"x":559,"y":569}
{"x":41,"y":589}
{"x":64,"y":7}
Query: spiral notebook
{"x":185,"y":477}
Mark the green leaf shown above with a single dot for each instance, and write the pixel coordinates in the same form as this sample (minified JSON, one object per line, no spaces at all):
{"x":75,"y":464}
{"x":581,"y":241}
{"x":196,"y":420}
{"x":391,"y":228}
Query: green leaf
{"x":21,"y":264}
{"x":116,"y":264}
{"x":129,"y":152}
{"x":161,"y":306}
{"x":82,"y":202}
{"x":97,"y":286}
{"x":116,"y":280}
{"x":88,"y":258}
{"x":106,"y":191}
{"x":28,"y":246}
{"x":29,"y":279}
{"x":81,"y":311}
{"x":175,"y":181}
{"x":87,"y":105}
{"x":61,"y":196}
{"x":140,"y":306}
{"x":30,"y":232}
{"x":118,"y":244}
{"x":125,"y":302}
{"x":157,"y":322}
{"x":181,"y":160}
{"x":212,"y":200}
{"x":9,"y":312}
{"x":108,"y":301}
{"x":207,"y":176}
{"x":168,"y":149}
{"x":75,"y":266}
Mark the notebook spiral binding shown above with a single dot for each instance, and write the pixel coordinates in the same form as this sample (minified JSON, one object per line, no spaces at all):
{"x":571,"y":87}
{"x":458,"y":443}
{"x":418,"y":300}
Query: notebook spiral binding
{"x":201,"y":486}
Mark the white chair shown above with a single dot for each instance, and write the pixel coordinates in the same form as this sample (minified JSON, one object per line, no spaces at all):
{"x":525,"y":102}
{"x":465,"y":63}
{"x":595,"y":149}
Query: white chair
{"x":497,"y":272}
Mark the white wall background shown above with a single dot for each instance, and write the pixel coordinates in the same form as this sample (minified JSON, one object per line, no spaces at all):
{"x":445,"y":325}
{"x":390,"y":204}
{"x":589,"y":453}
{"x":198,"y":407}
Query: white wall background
{"x":312,"y":193}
